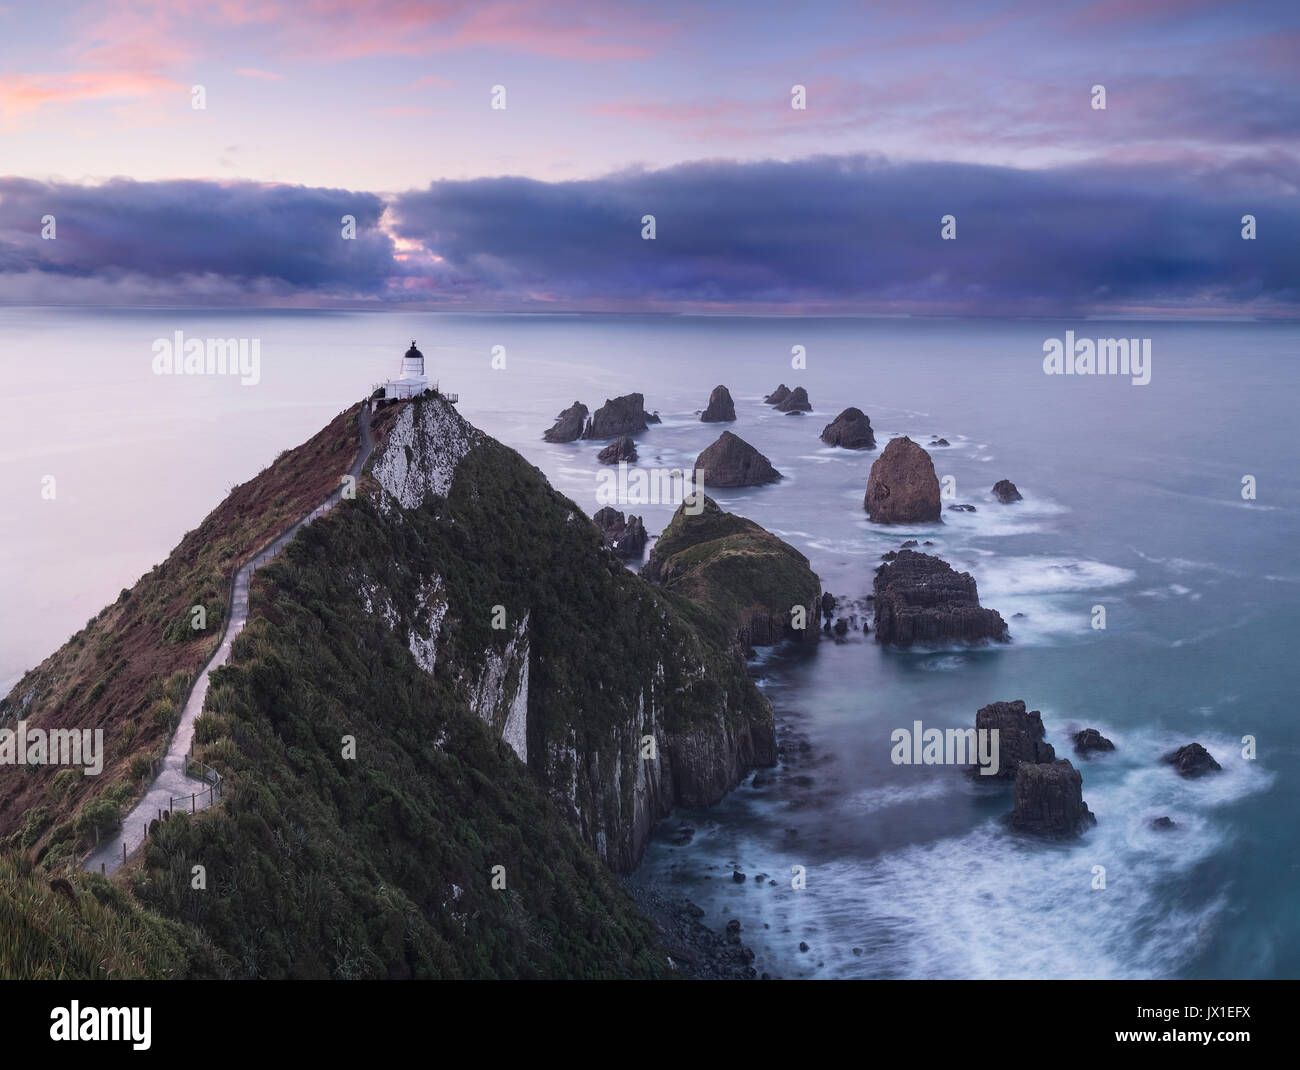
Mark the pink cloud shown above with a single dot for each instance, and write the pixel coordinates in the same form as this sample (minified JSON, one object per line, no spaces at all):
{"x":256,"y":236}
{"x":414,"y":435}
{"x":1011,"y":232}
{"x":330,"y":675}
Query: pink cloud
{"x":20,"y":93}
{"x":265,"y":76}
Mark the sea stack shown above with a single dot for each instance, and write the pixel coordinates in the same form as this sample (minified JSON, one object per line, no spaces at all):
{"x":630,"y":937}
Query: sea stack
{"x":624,"y":415}
{"x":1005,"y":492}
{"x":902,"y":487}
{"x":1020,"y":735}
{"x":1049,"y":800}
{"x":778,"y":395}
{"x":621,"y":449}
{"x":568,"y":424}
{"x":626,"y":536}
{"x":920,"y":598}
{"x":721,"y":408}
{"x":795,"y":401}
{"x":733,"y":462}
{"x":850,"y":430}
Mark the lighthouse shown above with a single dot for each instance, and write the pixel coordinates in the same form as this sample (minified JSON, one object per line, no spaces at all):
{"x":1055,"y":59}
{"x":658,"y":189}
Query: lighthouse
{"x":411,"y":379}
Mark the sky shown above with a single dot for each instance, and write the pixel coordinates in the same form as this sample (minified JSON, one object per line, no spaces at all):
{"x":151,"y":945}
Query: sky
{"x":317,"y":109}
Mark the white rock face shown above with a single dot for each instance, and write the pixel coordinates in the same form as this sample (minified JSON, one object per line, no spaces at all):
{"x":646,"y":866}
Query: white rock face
{"x":490,"y":697}
{"x":432,"y":607}
{"x":423,"y":449}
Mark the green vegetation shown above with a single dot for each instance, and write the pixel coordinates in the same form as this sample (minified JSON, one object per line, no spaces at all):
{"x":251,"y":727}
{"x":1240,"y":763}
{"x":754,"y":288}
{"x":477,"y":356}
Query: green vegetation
{"x":322,"y":866}
{"x":732,"y":566}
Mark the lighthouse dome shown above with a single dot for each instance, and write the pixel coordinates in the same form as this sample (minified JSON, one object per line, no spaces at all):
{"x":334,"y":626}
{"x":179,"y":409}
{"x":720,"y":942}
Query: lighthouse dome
{"x":413,"y":363}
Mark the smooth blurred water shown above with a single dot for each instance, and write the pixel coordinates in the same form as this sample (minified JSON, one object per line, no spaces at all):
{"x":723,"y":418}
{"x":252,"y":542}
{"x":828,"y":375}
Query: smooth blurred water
{"x":1133,"y":501}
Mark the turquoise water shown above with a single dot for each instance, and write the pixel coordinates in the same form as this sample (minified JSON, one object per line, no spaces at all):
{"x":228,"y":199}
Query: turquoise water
{"x":1132,"y":501}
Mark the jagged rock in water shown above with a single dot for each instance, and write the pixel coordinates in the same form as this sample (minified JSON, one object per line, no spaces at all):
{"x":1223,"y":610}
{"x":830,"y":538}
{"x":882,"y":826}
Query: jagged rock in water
{"x":1192,"y":760}
{"x":624,"y":415}
{"x":1090,"y":740}
{"x":795,"y":401}
{"x":922,"y":599}
{"x":625,"y":536}
{"x":750,"y":578}
{"x":1049,"y":800}
{"x":721,"y":408}
{"x":1005,"y":492}
{"x":828,"y":604}
{"x":568,"y":424}
{"x":962,"y":508}
{"x":940,"y":442}
{"x":778,"y":395}
{"x":621,"y":449}
{"x":733,"y":462}
{"x":1162,"y":823}
{"x":902,"y":487}
{"x":850,"y":430}
{"x":1020,"y":735}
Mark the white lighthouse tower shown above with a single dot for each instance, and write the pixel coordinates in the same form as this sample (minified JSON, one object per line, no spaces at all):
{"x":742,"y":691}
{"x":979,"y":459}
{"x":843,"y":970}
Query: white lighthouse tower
{"x":411,"y":380}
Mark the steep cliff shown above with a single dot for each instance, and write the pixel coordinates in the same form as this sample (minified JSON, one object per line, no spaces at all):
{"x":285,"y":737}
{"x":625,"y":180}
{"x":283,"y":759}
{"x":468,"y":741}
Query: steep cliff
{"x":450,"y":703}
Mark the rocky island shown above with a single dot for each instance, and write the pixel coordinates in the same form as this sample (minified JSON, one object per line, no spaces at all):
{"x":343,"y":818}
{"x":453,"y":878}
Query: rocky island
{"x":624,"y":415}
{"x":902,"y":487}
{"x":850,"y":430}
{"x":920,"y":598}
{"x":733,"y":462}
{"x":760,"y":588}
{"x":721,"y":409}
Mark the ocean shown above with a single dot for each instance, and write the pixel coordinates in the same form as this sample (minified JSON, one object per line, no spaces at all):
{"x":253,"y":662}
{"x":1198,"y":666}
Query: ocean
{"x":1132,"y":501}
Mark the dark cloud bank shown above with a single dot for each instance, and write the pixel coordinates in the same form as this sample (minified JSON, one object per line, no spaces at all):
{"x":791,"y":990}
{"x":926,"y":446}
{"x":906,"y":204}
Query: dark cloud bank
{"x":825,"y":234}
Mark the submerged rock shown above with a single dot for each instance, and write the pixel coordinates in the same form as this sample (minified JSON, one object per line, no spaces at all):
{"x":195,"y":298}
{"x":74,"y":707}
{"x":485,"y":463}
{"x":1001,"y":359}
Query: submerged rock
{"x":850,"y":430}
{"x":1020,"y":735}
{"x":1049,"y":800}
{"x":733,"y":462}
{"x":621,"y":449}
{"x":568,"y":424}
{"x":902,"y":487}
{"x":963,"y":508}
{"x":1192,"y":761}
{"x":1005,"y":492}
{"x":920,"y":598}
{"x":1162,"y":823}
{"x":625,"y":536}
{"x":721,"y":408}
{"x":795,"y":401}
{"x":624,"y":415}
{"x":1090,"y":740}
{"x":778,"y":395}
